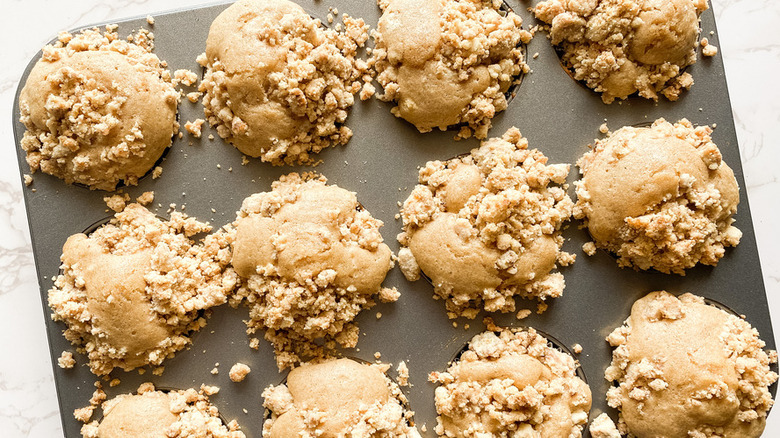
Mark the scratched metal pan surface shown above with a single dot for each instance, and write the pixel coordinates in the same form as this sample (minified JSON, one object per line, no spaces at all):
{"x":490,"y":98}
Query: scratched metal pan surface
{"x":558,"y":115}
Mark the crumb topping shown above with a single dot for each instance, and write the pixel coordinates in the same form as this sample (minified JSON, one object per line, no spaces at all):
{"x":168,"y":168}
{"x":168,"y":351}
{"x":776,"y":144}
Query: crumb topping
{"x":511,"y":383}
{"x":447,"y":62}
{"x":311,"y":259}
{"x":621,"y":47}
{"x":682,"y":352}
{"x":486,"y":226}
{"x":278,"y":85}
{"x":98,"y":110}
{"x":679,"y":202}
{"x":131,"y":292}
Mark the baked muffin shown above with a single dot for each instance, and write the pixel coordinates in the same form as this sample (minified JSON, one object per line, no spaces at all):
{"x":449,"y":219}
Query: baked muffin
{"x":337,"y":397}
{"x":448,"y":62}
{"x":622,"y":47}
{"x":310,"y":258}
{"x":98,"y":110}
{"x":659,"y":197}
{"x":278,"y":85}
{"x":682,"y":368}
{"x":511,"y":383}
{"x":131,"y":292}
{"x":157,"y":414}
{"x":486,"y":226}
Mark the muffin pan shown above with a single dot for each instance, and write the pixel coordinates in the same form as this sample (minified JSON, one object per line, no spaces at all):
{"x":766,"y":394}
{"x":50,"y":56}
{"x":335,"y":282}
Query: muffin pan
{"x":558,"y":115}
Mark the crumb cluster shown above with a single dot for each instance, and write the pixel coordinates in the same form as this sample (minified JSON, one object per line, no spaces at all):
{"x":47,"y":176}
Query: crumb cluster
{"x":132,"y":291}
{"x":621,"y":47}
{"x":149,"y":412}
{"x":682,"y":352}
{"x":98,"y":110}
{"x":338,"y":397}
{"x":66,"y":361}
{"x":486,"y":226}
{"x":278,"y":85}
{"x":659,"y":197}
{"x":448,"y":62}
{"x":603,"y":427}
{"x":511,"y":383}
{"x":311,"y":258}
{"x":238,"y":372}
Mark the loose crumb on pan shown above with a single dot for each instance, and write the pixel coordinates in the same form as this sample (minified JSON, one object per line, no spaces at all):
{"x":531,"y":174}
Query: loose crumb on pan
{"x":117,"y":202}
{"x":708,"y":49}
{"x":28,"y":179}
{"x":511,"y":380}
{"x":66,"y":361}
{"x":403,"y":374}
{"x":195,"y":127}
{"x":239,"y":371}
{"x":147,"y":273}
{"x":185,"y":77}
{"x":603,"y":427}
{"x":576,"y":348}
{"x":157,"y":172}
{"x":150,"y":20}
{"x":486,"y":227}
{"x":194,"y":96}
{"x":146,"y":198}
{"x":589,"y":248}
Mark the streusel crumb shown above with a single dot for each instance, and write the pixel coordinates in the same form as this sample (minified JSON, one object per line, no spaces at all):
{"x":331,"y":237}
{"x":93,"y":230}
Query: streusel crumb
{"x":603,"y":427}
{"x":66,"y":361}
{"x":239,"y":371}
{"x":195,"y":127}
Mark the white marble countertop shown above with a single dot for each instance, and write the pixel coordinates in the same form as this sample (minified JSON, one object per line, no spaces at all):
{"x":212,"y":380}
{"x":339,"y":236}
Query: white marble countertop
{"x":750,"y":46}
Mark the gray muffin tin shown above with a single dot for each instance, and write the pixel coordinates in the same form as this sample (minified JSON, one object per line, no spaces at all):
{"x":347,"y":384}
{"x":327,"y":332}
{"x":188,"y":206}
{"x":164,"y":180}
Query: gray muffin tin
{"x":558,"y":115}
